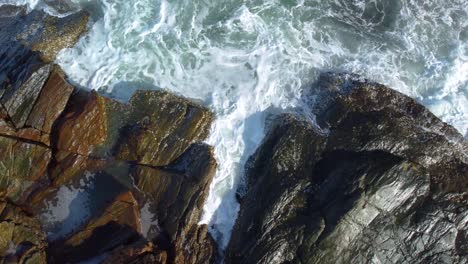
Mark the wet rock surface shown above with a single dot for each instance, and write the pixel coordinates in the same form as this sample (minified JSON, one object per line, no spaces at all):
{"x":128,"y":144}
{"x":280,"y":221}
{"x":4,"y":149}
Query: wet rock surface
{"x":381,"y":180}
{"x":22,"y":239}
{"x":176,"y":194}
{"x":23,"y":168}
{"x":85,"y":177}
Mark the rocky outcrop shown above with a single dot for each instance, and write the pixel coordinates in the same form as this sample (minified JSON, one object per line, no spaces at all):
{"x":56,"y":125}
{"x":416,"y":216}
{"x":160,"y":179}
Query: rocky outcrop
{"x":33,"y":93}
{"x":165,"y":124}
{"x":22,"y":239}
{"x":154,"y":129}
{"x":119,"y":224}
{"x":105,"y":180}
{"x":176,"y":195}
{"x":36,"y":33}
{"x":23,"y":167}
{"x":380,"y":180}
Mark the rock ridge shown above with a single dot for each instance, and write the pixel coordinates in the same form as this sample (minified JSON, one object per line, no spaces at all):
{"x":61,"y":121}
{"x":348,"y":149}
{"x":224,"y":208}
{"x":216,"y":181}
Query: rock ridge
{"x":380,"y":180}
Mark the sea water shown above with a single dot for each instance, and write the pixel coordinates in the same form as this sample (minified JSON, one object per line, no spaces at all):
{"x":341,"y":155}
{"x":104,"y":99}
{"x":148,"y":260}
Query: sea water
{"x":246,"y":59}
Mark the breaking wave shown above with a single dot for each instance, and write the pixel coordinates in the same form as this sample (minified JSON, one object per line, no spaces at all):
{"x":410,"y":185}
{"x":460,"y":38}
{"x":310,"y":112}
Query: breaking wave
{"x":247,"y":59}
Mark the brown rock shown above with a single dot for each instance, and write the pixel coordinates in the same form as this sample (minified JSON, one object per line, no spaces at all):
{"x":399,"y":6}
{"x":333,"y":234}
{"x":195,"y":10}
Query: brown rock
{"x":176,"y":195}
{"x":32,"y":134}
{"x":3,"y":112}
{"x":18,"y":103}
{"x":69,"y":166}
{"x":60,"y":33}
{"x":90,"y":125}
{"x":54,"y":140}
{"x":124,"y":211}
{"x":196,"y":246}
{"x":22,"y":168}
{"x":26,"y":134}
{"x":118,"y":224}
{"x":36,"y":102}
{"x":32,"y":109}
{"x":21,"y":237}
{"x":141,"y":251}
{"x":66,"y":169}
{"x":161,"y":127}
{"x":6,"y":128}
{"x":155,"y":128}
{"x":25,"y":37}
{"x":183,"y":185}
{"x":102,"y":180}
{"x":51,"y":103}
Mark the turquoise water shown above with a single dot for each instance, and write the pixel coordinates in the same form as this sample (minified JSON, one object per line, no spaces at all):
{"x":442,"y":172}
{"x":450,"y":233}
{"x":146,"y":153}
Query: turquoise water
{"x":246,"y":59}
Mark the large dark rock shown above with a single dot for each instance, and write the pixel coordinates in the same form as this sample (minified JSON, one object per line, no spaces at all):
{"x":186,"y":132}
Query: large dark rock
{"x":382,"y":180}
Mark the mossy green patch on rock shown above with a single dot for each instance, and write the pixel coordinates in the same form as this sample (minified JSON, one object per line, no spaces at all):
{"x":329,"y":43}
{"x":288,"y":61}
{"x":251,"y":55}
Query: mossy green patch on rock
{"x":6,"y":235}
{"x":165,"y":127}
{"x":21,"y":237}
{"x":154,"y":129}
{"x":22,"y":166}
{"x":60,"y":33}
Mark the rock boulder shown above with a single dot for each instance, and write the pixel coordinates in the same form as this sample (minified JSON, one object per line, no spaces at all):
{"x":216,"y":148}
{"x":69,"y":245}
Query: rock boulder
{"x":379,"y":180}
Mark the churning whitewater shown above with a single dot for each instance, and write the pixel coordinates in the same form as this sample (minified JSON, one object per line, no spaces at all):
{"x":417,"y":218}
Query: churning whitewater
{"x":246,"y":59}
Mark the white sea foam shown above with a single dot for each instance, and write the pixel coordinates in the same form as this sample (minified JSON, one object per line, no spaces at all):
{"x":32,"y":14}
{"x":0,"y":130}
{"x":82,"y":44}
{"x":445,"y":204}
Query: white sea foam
{"x":59,"y":8}
{"x":69,"y":208}
{"x":148,"y":220}
{"x":247,"y":58}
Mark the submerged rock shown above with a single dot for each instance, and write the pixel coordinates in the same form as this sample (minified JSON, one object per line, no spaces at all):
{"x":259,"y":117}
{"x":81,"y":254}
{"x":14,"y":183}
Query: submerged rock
{"x":119,"y":224}
{"x":382,"y":180}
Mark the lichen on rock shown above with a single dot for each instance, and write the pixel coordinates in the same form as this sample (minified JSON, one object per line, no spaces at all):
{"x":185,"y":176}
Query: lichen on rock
{"x":22,"y":239}
{"x":23,"y":166}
